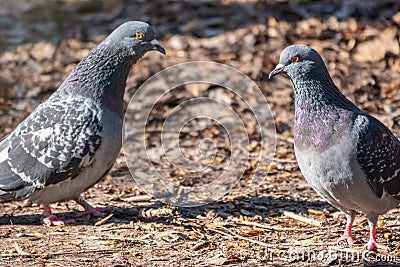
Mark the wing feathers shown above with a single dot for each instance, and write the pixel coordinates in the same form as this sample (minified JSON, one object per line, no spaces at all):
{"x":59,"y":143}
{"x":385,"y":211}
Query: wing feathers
{"x":56,"y":142}
{"x":378,"y":152}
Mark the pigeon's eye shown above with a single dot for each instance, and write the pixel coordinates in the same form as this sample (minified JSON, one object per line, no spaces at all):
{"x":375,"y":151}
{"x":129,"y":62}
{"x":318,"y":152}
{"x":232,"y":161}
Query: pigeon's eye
{"x":139,"y":35}
{"x":296,"y":59}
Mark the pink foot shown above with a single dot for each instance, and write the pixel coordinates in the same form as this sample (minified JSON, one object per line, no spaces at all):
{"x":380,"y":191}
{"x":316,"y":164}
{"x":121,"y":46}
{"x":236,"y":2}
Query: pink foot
{"x":98,"y":212}
{"x":372,"y":244}
{"x":51,"y":220}
{"x":347,"y":237}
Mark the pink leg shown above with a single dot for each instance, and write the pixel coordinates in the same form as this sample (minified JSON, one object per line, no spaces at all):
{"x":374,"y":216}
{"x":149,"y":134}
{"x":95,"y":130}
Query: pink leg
{"x":347,"y":235}
{"x":99,"y":211}
{"x":49,"y":219}
{"x":372,"y":238}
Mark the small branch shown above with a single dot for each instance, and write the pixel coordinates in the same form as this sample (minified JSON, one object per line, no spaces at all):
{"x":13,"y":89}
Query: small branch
{"x":241,"y":237}
{"x":29,"y":255}
{"x":301,"y":218}
{"x":141,"y":198}
{"x":282,"y":160}
{"x":104,"y":220}
{"x":114,"y":228}
{"x":275,"y":228}
{"x":302,"y":244}
{"x":19,"y":250}
{"x":200,"y":245}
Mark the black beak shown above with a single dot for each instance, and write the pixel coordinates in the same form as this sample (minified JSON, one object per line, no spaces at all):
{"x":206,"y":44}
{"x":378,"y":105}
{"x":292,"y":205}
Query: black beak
{"x":158,"y":47}
{"x":279,"y":68}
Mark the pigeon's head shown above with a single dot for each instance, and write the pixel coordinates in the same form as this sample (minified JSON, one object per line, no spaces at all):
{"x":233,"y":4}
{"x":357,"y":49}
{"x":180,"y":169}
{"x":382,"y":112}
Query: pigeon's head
{"x":299,"y":61}
{"x":135,"y":37}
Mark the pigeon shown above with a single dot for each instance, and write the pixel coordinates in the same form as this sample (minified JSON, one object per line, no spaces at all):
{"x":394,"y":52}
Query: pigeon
{"x":71,"y":141}
{"x":347,"y":156}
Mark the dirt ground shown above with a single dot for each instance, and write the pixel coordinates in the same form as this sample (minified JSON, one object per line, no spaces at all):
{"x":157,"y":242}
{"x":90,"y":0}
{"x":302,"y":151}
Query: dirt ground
{"x":41,"y":41}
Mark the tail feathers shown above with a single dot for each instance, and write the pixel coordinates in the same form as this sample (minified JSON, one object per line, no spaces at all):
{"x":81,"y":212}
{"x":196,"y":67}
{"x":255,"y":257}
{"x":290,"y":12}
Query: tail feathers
{"x":4,"y":196}
{"x":4,"y":147}
{"x":12,"y":186}
{"x":8,"y":179}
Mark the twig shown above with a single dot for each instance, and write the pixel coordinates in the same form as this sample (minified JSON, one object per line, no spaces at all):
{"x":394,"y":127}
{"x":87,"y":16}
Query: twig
{"x":241,"y":237}
{"x":393,"y":225}
{"x":282,"y":160}
{"x":199,"y":245}
{"x":270,"y":227}
{"x":301,"y":218}
{"x":158,"y":212}
{"x":302,"y":244}
{"x":266,"y":244}
{"x":141,"y":198}
{"x":30,"y":255}
{"x":19,"y":250}
{"x":114,"y":228}
{"x":286,"y":139}
{"x":104,"y":220}
{"x":131,"y":239}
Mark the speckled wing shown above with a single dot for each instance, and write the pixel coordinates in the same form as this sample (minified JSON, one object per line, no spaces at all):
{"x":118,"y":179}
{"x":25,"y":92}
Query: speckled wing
{"x":378,"y":152}
{"x":56,"y":142}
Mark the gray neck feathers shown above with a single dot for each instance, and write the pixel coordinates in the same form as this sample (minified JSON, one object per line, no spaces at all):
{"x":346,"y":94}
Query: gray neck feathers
{"x":317,"y":92}
{"x":101,"y":76}
{"x":322,"y":112}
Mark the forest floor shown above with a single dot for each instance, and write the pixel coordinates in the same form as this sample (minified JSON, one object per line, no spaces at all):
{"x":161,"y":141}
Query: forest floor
{"x":359,"y":41}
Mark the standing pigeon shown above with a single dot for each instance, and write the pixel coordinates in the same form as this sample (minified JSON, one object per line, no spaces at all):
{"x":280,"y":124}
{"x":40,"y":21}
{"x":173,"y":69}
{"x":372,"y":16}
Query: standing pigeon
{"x":71,"y":141}
{"x":349,"y":157}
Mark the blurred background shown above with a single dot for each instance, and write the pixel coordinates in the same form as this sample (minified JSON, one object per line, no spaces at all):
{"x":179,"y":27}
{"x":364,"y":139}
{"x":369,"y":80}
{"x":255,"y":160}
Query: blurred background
{"x":41,"y":41}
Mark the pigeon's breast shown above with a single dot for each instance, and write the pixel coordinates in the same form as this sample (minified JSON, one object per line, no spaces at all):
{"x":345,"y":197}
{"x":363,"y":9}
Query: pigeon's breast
{"x":336,"y":175}
{"x":104,"y":159}
{"x":324,"y":169}
{"x":318,"y":129}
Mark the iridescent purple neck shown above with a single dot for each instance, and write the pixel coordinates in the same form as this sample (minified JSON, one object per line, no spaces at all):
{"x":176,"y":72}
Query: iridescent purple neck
{"x":322,"y":113}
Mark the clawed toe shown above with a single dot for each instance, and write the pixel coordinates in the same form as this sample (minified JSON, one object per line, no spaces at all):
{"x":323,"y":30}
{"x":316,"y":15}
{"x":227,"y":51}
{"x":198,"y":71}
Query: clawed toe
{"x":372,"y":244}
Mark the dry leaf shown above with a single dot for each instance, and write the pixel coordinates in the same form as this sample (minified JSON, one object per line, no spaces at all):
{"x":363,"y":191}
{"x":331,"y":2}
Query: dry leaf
{"x":315,"y":212}
{"x":380,"y":222}
{"x":375,"y":50}
{"x":251,"y":233}
{"x":217,"y":261}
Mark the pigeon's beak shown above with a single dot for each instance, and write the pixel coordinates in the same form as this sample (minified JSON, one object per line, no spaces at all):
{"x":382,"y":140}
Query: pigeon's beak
{"x":158,"y":47}
{"x":279,"y":68}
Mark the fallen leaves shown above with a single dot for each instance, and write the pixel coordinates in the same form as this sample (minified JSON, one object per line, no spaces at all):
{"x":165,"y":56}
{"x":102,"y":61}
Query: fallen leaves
{"x":375,"y":50}
{"x":315,"y":212}
{"x":43,"y":51}
{"x":360,"y":48}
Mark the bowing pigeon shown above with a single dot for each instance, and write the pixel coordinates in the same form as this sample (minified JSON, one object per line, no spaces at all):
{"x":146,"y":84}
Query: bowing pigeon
{"x":349,"y":157}
{"x":71,"y":141}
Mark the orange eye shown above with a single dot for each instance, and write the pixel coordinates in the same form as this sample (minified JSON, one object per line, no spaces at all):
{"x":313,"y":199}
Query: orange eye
{"x":138,"y":35}
{"x":296,"y":59}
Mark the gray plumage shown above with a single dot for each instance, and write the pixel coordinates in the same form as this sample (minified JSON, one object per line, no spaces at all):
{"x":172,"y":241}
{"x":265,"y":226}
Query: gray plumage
{"x":349,"y":157}
{"x":69,"y":142}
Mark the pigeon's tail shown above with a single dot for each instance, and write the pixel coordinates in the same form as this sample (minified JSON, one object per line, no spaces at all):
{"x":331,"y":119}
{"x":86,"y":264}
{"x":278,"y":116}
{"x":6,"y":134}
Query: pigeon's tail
{"x":8,"y":179}
{"x":5,"y":196}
